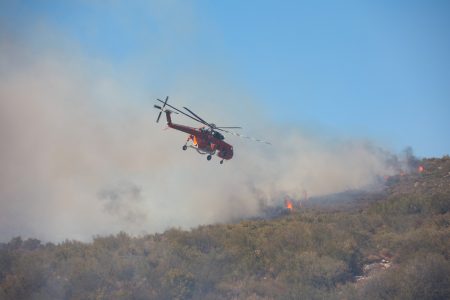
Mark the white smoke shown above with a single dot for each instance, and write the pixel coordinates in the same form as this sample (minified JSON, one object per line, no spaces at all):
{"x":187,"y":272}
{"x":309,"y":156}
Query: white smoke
{"x":81,"y":154}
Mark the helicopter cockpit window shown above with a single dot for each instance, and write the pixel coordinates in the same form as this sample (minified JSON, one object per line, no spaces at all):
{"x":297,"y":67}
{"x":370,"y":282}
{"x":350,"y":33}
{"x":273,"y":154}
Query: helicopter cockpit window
{"x":218,"y":135}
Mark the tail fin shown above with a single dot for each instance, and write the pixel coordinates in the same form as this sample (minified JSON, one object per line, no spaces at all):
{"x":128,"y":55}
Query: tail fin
{"x":168,"y":117}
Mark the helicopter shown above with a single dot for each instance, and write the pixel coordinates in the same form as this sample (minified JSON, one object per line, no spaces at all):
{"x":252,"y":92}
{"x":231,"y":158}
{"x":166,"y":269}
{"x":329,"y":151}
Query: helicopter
{"x":206,"y":140}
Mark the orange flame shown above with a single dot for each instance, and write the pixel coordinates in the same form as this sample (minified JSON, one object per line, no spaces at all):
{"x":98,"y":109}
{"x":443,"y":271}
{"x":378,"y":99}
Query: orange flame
{"x":288,"y":204}
{"x":420,"y":169}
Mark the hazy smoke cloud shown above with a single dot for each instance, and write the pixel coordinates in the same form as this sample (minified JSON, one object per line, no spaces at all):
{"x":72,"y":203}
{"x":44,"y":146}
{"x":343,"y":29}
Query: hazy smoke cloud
{"x":123,"y":201}
{"x":81,"y":155}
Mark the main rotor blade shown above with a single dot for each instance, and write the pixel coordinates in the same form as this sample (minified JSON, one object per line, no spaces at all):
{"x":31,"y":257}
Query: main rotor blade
{"x":198,"y":117}
{"x":183,"y":113}
{"x":228,"y":127}
{"x":245,"y":137}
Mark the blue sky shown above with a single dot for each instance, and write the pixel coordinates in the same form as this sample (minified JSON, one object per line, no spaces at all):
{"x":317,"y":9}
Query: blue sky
{"x":366,"y":69}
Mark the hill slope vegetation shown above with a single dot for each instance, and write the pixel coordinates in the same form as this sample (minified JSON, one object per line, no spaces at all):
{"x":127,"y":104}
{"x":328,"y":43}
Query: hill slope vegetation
{"x":394,"y":246}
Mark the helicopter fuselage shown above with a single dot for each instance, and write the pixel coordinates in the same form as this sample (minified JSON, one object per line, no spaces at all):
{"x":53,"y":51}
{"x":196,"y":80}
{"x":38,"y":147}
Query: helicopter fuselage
{"x":206,"y":141}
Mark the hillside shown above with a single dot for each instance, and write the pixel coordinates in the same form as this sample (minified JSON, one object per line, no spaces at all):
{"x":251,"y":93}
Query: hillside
{"x":389,"y":245}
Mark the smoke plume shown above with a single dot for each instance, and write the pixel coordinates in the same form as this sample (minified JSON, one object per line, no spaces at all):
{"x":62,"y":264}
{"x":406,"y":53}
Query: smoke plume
{"x":81,"y":155}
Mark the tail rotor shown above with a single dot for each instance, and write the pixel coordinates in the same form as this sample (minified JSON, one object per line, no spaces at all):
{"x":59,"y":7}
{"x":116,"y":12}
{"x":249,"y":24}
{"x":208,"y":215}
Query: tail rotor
{"x":161,"y":108}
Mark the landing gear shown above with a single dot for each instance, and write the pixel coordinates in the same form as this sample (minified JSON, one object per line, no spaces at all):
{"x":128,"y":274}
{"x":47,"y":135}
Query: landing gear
{"x":221,"y":162}
{"x":184,"y":147}
{"x":209,"y":157}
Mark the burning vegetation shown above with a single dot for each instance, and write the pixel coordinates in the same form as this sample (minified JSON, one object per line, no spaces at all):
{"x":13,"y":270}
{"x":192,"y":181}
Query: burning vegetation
{"x":288,"y":204}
